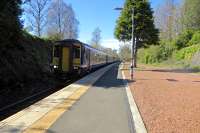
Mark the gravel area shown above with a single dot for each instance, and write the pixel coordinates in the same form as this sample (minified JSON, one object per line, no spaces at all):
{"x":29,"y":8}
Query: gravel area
{"x":169,"y":101}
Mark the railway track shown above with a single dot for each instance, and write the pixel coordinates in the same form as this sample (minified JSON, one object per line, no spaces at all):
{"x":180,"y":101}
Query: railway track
{"x":15,"y":107}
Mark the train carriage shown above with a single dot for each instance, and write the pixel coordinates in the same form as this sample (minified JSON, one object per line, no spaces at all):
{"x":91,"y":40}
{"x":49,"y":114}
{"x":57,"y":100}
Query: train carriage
{"x":73,"y":56}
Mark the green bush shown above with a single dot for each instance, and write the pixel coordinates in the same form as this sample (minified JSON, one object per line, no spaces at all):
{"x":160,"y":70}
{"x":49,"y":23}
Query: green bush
{"x":150,"y":55}
{"x":181,"y":50}
{"x":28,"y":61}
{"x":24,"y":58}
{"x":156,"y":54}
{"x":195,"y":39}
{"x":141,"y":55}
{"x":167,"y":49}
{"x":10,"y":25}
{"x":183,"y":39}
{"x":186,"y":53}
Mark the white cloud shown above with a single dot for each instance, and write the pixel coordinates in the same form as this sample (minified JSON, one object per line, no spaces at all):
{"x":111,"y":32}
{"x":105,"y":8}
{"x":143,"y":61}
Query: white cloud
{"x":111,"y":43}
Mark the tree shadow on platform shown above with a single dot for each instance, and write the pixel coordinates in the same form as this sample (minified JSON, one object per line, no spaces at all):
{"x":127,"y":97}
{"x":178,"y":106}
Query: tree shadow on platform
{"x":112,"y":79}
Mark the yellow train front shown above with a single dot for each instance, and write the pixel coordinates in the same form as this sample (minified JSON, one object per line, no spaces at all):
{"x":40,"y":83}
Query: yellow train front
{"x":72,"y":56}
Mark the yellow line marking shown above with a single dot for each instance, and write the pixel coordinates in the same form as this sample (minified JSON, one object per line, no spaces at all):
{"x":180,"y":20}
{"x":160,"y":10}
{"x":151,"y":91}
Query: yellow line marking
{"x":42,"y":125}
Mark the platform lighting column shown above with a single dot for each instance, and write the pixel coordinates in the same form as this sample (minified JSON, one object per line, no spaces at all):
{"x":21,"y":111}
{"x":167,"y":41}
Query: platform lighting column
{"x":133,"y":47}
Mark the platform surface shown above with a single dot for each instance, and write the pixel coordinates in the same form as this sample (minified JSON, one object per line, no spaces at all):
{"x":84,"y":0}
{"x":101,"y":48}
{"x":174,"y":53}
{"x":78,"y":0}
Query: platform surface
{"x":97,"y":103}
{"x":102,"y":109}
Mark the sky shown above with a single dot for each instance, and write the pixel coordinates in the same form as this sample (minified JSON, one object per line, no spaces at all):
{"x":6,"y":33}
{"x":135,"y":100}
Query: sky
{"x":99,"y":13}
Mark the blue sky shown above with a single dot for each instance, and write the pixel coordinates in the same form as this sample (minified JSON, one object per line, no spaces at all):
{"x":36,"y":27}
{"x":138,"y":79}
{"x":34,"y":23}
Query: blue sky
{"x":99,"y":13}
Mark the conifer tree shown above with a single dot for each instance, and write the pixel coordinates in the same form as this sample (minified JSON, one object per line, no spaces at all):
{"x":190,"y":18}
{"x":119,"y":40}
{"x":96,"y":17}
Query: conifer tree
{"x":10,"y":25}
{"x":145,"y":32}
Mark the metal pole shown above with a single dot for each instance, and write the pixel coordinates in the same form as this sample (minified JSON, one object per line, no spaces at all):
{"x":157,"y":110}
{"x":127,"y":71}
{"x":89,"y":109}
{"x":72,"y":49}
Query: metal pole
{"x":133,"y":48}
{"x":133,"y":45}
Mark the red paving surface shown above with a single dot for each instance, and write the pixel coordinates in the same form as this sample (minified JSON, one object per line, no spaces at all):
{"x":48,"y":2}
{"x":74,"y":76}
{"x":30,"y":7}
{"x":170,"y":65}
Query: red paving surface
{"x":169,"y":102}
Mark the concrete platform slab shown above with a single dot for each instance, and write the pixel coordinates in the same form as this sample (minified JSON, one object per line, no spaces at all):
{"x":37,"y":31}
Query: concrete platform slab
{"x":103,"y":109}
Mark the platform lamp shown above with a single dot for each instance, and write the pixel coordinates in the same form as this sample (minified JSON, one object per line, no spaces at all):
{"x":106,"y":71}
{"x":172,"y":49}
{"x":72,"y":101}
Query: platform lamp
{"x":132,"y":40}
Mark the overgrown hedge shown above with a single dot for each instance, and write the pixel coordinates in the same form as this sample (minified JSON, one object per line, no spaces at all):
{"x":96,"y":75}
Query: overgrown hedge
{"x":156,"y":53}
{"x":195,"y":39}
{"x":183,"y":39}
{"x":187,"y":53}
{"x":25,"y":62}
{"x":150,"y":55}
{"x":181,"y":49}
{"x":23,"y":58}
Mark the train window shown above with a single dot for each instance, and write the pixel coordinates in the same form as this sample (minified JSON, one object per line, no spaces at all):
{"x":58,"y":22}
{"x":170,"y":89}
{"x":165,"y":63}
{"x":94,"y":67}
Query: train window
{"x":56,"y":51}
{"x":76,"y":53}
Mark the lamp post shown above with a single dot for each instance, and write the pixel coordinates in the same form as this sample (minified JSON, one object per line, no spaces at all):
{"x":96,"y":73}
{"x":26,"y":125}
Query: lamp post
{"x":133,"y":47}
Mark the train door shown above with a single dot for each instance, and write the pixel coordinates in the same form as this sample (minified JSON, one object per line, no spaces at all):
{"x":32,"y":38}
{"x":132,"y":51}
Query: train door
{"x":56,"y":55}
{"x":85,"y":58}
{"x":76,"y":57}
{"x":65,"y":59}
{"x":87,"y":54}
{"x":106,"y":59}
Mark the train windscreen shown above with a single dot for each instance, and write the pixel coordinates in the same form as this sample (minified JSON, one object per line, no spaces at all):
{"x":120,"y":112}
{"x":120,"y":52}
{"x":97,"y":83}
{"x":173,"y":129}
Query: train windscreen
{"x":56,"y":51}
{"x":77,"y":53}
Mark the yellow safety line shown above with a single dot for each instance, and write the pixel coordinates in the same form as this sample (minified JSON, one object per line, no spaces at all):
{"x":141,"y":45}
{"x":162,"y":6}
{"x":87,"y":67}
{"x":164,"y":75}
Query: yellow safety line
{"x":46,"y":121}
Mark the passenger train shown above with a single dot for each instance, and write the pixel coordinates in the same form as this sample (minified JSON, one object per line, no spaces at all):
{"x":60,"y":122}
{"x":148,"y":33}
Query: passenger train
{"x":73,"y":56}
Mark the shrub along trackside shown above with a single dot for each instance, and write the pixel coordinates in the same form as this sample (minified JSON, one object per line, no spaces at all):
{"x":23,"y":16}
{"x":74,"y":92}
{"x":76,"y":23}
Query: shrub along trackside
{"x":195,"y":39}
{"x":25,"y":62}
{"x":183,"y":51}
{"x":24,"y":58}
{"x":187,"y":53}
{"x":156,"y":53}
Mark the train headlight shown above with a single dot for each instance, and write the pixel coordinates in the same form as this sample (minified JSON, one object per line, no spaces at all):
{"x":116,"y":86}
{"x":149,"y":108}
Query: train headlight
{"x":55,"y":67}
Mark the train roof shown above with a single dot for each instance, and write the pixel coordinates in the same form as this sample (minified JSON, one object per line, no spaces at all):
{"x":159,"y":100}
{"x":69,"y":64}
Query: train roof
{"x":67,"y":42}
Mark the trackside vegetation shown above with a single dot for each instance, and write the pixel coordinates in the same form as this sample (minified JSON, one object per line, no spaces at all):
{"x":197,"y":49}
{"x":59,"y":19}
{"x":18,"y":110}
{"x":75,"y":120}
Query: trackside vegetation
{"x":24,"y":58}
{"x":179,"y":43}
{"x":145,"y":32}
{"x":181,"y":50}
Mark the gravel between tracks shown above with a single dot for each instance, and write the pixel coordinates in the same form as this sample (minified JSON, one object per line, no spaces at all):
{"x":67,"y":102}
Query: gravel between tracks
{"x":169,"y":102}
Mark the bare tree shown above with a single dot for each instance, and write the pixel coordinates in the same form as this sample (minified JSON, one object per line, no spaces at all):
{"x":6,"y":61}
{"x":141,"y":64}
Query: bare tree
{"x":111,"y":52}
{"x":125,"y":52}
{"x":36,"y":11}
{"x":71,"y":25}
{"x":62,"y":23}
{"x":168,"y":19}
{"x":178,"y":21}
{"x":96,"y":38}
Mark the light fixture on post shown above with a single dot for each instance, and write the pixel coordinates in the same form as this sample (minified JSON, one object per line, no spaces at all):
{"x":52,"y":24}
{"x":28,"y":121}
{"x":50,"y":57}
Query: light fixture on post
{"x":133,"y":47}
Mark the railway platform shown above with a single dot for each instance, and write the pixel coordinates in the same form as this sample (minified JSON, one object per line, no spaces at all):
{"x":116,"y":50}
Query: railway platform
{"x":98,"y":103}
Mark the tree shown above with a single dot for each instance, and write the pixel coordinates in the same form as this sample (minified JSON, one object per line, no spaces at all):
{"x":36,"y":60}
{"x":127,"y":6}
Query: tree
{"x":96,"y":38}
{"x":36,"y":12}
{"x":191,"y":14}
{"x":145,"y":32}
{"x":111,"y":52}
{"x":168,"y":20}
{"x":125,"y":52}
{"x":62,"y":22}
{"x":72,"y":25}
{"x":10,"y":24}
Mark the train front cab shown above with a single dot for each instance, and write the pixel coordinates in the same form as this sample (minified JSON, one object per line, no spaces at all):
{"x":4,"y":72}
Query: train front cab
{"x":66,"y":57}
{"x":75,"y":57}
